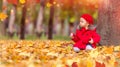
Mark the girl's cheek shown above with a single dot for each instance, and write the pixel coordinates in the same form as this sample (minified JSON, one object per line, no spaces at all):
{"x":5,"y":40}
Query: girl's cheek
{"x":80,"y":24}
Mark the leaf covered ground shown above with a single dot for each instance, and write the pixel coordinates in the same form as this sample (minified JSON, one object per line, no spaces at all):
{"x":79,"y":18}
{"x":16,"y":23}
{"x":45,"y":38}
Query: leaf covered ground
{"x":53,"y":53}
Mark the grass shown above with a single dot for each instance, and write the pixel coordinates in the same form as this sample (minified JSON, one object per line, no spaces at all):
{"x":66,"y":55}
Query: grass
{"x":34,"y":37}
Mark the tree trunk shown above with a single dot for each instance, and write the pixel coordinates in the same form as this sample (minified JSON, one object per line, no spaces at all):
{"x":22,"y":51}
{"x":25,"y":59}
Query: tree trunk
{"x":50,"y":24}
{"x":71,"y":26}
{"x":11,"y":21}
{"x":5,"y":21}
{"x":0,"y":5}
{"x":109,"y":22}
{"x":62,"y":27}
{"x":40,"y":19}
{"x":22,"y":31}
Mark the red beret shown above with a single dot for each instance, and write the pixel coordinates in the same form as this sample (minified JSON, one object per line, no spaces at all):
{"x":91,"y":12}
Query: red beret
{"x":88,"y":18}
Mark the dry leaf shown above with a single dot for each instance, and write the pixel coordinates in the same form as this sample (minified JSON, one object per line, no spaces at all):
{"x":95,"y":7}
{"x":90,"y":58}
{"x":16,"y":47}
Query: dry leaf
{"x":52,"y":53}
{"x":3,"y":16}
{"x":22,"y":1}
{"x":108,"y":50}
{"x":98,"y":64}
{"x":89,"y":63}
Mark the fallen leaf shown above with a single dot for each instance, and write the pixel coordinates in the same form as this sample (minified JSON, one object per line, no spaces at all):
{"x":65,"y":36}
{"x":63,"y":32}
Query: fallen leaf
{"x":89,"y":63}
{"x":74,"y":64}
{"x":99,"y":64}
{"x":108,"y":50}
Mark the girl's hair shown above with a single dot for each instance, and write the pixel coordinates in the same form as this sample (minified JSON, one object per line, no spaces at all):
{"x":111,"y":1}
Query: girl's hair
{"x":90,"y":27}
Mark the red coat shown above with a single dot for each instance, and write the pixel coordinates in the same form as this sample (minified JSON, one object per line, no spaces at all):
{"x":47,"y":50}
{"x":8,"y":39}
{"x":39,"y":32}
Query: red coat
{"x":83,"y":36}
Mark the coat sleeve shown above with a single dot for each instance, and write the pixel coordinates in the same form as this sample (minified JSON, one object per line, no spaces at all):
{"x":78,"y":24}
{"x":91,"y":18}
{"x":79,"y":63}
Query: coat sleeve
{"x":96,"y":37}
{"x":76,"y":36}
{"x":75,"y":39}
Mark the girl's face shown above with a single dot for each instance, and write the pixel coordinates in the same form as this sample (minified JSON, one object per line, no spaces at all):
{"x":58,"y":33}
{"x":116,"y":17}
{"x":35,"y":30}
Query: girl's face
{"x":83,"y":23}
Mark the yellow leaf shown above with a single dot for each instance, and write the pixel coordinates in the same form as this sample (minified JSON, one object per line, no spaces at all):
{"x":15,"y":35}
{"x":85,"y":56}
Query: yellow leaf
{"x":3,"y":16}
{"x":49,"y":5}
{"x":69,"y":48}
{"x":58,"y":45}
{"x":108,"y":50}
{"x":112,"y":60}
{"x":118,"y":55}
{"x":24,"y":54}
{"x":22,"y":1}
{"x":117,"y":48}
{"x":52,"y":54}
{"x":69,"y":62}
{"x":82,"y":64}
{"x":94,"y":53}
{"x":30,"y":44}
{"x":89,"y":63}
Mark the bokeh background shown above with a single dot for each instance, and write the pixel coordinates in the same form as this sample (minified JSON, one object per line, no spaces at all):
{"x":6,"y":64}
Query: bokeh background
{"x":43,"y":19}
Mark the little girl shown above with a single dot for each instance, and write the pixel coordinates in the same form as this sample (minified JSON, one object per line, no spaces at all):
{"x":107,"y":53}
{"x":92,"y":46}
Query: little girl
{"x":85,"y":38}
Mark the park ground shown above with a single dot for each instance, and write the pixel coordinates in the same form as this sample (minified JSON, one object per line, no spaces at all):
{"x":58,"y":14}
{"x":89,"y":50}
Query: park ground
{"x":55,"y":53}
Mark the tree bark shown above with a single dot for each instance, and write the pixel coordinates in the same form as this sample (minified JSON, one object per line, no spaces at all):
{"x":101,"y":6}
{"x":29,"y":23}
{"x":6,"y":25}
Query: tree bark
{"x":40,"y":19}
{"x":109,"y":22}
{"x":22,"y":31}
{"x":5,"y":21}
{"x":0,"y":5}
{"x":50,"y":24}
{"x":11,"y":21}
{"x":62,"y":27}
{"x":71,"y":27}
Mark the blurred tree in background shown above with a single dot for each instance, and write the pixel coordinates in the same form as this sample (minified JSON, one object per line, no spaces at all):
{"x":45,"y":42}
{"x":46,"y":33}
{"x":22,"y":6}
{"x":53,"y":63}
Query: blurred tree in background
{"x":44,"y":18}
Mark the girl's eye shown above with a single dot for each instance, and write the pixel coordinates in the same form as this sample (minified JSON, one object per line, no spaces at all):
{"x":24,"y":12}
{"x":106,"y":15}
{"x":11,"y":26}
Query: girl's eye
{"x":81,"y":21}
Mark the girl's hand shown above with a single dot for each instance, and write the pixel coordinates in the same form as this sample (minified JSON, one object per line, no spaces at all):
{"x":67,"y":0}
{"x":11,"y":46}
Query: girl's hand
{"x":91,"y":41}
{"x":71,"y":35}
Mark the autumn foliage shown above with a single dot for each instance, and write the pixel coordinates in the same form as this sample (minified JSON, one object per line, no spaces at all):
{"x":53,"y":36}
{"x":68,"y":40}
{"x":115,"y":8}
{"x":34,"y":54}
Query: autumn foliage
{"x":15,"y":2}
{"x":50,"y":53}
{"x":3,"y":16}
